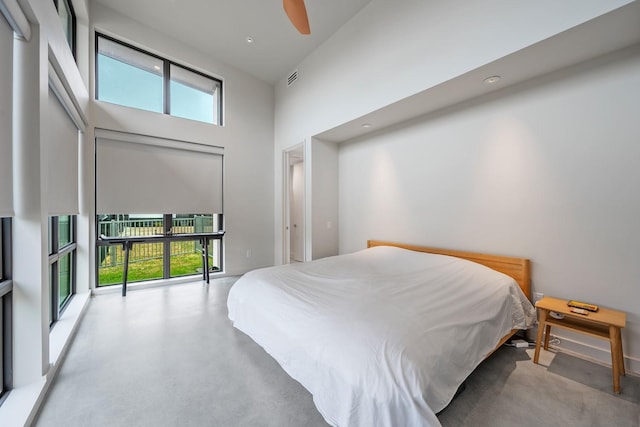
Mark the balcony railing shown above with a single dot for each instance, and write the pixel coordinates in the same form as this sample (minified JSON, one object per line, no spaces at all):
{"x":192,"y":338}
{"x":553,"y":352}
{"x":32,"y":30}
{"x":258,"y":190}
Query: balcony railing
{"x":112,"y":256}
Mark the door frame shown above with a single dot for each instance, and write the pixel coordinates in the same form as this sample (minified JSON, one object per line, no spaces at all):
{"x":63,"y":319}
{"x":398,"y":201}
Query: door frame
{"x":288,"y":156}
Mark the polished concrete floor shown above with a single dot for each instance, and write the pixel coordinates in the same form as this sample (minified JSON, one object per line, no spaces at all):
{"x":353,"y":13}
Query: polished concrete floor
{"x":170,"y":357}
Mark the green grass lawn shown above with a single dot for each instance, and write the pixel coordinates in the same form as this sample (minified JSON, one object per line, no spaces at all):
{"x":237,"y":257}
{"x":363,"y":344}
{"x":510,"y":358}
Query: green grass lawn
{"x":141,"y":269}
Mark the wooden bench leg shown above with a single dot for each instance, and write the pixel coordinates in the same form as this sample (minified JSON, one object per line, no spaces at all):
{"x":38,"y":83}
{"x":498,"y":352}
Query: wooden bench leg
{"x":614,"y":338}
{"x":547,"y":336}
{"x":542,"y":325}
{"x":620,"y":352}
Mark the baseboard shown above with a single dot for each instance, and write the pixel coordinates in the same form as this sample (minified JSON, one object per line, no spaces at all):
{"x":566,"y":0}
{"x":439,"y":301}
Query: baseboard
{"x":594,"y":354}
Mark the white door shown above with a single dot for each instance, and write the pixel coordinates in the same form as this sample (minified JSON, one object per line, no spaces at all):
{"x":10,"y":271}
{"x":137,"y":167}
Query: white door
{"x":296,"y":212}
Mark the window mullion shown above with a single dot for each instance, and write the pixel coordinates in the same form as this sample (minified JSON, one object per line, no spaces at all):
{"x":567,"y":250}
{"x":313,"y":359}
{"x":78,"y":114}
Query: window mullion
{"x":166,"y":75}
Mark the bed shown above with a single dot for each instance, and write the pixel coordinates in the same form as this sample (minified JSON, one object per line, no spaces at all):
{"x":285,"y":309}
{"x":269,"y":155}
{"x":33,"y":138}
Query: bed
{"x":386,"y":335}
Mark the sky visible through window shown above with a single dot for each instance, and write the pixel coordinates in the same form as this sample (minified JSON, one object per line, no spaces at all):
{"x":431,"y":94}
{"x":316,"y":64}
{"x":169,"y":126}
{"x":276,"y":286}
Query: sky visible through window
{"x":124,"y":84}
{"x":191,"y":103}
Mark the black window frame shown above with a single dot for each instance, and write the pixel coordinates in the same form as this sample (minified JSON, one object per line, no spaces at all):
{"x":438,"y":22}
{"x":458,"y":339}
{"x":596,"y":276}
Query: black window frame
{"x":72,"y":42}
{"x":56,"y":252}
{"x":6,"y":304}
{"x":167,"y":224}
{"x":166,"y":78}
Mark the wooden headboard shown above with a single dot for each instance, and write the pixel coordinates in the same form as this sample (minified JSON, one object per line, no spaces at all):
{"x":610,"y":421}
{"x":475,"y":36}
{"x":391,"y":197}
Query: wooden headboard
{"x":518,"y":268}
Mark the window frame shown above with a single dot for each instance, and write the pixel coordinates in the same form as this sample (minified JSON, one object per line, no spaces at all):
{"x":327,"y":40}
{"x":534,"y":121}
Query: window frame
{"x":55,"y":254}
{"x":6,"y":310}
{"x":167,"y":224}
{"x":72,"y":12}
{"x":166,"y":79}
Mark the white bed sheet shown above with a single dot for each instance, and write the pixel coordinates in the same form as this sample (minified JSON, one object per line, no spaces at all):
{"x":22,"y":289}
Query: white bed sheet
{"x":380,"y":337}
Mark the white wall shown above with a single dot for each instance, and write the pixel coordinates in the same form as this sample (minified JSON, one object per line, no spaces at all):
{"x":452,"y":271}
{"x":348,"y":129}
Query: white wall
{"x":391,"y":50}
{"x":546,"y":170}
{"x":247,"y":138}
{"x":324,"y":199}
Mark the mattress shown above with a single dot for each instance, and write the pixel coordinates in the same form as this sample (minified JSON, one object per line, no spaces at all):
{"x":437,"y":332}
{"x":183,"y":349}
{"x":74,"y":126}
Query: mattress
{"x":383,"y":336}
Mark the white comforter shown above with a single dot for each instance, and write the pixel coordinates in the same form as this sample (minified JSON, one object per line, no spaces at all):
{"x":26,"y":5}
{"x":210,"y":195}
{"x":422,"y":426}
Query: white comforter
{"x":380,"y":337}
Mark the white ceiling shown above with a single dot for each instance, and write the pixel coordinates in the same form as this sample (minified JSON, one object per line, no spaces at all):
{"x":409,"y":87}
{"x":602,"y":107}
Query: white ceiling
{"x":220,"y":28}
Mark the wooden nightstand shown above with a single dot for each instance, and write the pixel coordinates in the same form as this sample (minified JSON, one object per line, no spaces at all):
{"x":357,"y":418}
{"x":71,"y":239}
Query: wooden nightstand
{"x":605,"y":324}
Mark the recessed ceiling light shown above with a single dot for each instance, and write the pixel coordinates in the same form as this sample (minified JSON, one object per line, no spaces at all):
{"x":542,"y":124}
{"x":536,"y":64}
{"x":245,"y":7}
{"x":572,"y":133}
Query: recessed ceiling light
{"x":491,"y":80}
{"x":366,"y":125}
{"x":157,"y":67}
{"x":249,"y":39}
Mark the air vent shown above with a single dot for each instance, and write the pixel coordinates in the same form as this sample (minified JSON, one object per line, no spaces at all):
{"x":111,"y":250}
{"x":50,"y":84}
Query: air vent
{"x":292,"y":78}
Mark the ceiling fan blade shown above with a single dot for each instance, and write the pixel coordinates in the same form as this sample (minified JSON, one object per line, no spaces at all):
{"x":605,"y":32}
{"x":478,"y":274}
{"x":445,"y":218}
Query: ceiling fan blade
{"x":297,"y":13}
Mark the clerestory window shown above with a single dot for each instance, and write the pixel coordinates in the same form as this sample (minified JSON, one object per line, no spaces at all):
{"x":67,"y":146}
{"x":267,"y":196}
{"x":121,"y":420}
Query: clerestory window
{"x":129,"y":76}
{"x":68,"y":20}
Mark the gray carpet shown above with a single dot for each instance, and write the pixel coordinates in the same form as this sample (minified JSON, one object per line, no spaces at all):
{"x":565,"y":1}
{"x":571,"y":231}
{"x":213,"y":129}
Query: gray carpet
{"x":170,"y":357}
{"x":509,"y":390}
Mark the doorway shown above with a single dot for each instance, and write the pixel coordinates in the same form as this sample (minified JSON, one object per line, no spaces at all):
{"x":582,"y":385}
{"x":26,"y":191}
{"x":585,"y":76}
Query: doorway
{"x":293,"y":195}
